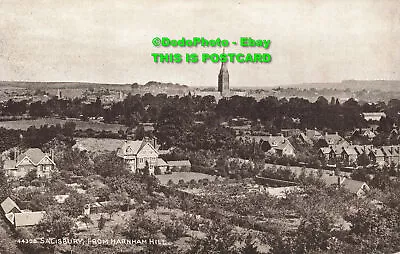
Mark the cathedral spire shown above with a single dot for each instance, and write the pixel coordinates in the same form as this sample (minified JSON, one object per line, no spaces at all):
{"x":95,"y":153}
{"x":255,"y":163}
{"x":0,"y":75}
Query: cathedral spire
{"x":223,"y":78}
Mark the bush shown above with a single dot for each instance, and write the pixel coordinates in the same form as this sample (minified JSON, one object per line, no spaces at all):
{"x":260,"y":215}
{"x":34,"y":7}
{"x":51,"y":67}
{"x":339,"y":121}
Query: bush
{"x":174,"y":231}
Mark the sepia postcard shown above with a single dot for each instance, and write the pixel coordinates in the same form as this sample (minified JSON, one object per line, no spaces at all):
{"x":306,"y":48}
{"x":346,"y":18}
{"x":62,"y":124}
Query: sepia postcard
{"x":199,"y":127}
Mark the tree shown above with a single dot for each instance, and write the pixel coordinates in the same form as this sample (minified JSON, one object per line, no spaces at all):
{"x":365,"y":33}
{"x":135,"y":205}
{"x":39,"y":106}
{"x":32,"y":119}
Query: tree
{"x":109,"y":165}
{"x":140,"y":133}
{"x":102,"y":222}
{"x":363,"y":160}
{"x":219,"y":239}
{"x":120,"y":198}
{"x":75,"y":204}
{"x":142,"y":227}
{"x":4,"y":186}
{"x":250,"y":246}
{"x":56,"y":224}
{"x":69,"y":128}
{"x":173,"y":231}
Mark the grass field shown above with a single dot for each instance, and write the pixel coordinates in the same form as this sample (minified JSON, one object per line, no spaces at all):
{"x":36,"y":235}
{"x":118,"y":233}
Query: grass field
{"x":80,"y":125}
{"x":99,"y":145}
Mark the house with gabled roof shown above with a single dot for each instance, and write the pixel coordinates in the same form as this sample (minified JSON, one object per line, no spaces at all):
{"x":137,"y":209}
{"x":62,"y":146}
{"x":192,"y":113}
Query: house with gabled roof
{"x":391,"y":154}
{"x":334,"y":140}
{"x":313,"y":135}
{"x":31,"y":159}
{"x":377,"y":156}
{"x":138,"y":154}
{"x":355,"y":187}
{"x":373,"y":116}
{"x":278,"y":145}
{"x":326,"y":154}
{"x":349,"y":155}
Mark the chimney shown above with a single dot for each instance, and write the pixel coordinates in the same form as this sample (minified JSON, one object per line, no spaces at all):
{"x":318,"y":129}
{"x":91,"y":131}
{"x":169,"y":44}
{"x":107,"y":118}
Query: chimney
{"x":391,"y":149}
{"x":17,"y":154}
{"x":336,"y":133}
{"x":155,"y":143}
{"x":338,"y":181}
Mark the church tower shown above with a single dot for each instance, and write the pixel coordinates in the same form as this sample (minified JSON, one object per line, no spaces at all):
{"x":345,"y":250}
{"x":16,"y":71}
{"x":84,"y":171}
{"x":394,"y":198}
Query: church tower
{"x":223,"y":79}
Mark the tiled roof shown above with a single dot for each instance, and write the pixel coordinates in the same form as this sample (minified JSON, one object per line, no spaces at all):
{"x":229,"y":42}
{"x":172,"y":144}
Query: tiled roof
{"x":183,"y":163}
{"x":325,"y":150}
{"x":374,"y":114}
{"x":352,"y":185}
{"x":28,"y":218}
{"x":313,"y":134}
{"x":161,"y":162}
{"x":390,"y":150}
{"x":277,"y":142}
{"x":377,"y":152}
{"x":133,"y":147}
{"x":333,"y":139}
{"x":350,"y":150}
{"x":8,"y":204}
{"x":330,"y":180}
{"x":34,"y":154}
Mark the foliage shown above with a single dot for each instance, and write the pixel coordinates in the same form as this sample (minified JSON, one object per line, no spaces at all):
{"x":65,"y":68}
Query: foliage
{"x":56,"y":224}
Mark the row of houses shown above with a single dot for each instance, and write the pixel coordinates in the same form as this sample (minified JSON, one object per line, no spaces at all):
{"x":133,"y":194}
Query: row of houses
{"x":136,"y":153}
{"x":278,"y":145}
{"x":385,"y":155}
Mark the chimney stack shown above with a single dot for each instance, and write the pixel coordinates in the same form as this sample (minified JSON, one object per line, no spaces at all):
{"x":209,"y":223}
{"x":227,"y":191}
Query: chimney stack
{"x":16,"y":155}
{"x":155,"y":143}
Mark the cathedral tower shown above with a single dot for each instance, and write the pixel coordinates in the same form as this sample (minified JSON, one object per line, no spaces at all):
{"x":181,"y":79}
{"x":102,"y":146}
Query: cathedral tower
{"x":223,"y":80}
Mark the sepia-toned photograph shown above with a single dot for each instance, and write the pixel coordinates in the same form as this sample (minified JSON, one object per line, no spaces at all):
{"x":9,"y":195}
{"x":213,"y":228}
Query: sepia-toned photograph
{"x":199,"y":127}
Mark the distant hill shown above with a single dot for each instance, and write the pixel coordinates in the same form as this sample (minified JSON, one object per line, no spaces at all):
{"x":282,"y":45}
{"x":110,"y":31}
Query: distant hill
{"x":383,"y":85}
{"x":61,"y":85}
{"x":151,"y":85}
{"x":156,"y":87}
{"x":156,"y":84}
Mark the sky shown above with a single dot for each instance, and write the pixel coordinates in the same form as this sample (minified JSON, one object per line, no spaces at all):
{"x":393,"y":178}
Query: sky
{"x":110,"y":41}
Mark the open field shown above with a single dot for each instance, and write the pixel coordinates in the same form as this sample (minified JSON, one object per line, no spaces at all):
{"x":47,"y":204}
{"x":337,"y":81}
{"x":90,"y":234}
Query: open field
{"x":99,"y":145}
{"x":80,"y":125}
